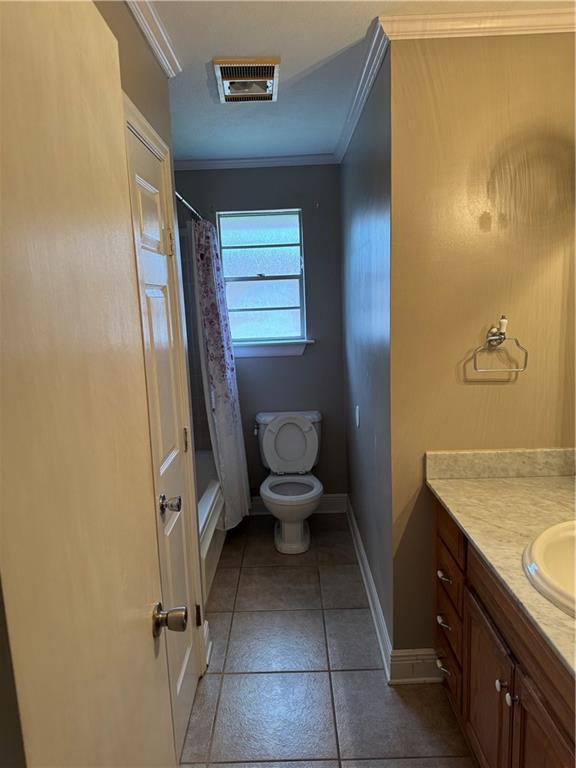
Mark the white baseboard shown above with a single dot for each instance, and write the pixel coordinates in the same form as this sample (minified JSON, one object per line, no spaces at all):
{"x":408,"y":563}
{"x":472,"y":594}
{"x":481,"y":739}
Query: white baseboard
{"x":329,"y":503}
{"x":405,"y":666}
{"x":373,"y":600}
{"x":414,"y":665}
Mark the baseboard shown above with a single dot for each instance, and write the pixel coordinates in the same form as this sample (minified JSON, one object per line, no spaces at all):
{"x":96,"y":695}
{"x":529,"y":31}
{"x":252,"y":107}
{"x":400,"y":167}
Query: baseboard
{"x":414,"y":665}
{"x":329,"y":504}
{"x":373,"y":600}
{"x":405,"y":666}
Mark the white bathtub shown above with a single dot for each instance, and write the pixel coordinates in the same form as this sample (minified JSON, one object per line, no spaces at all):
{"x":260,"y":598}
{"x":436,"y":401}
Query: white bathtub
{"x":207,"y":486}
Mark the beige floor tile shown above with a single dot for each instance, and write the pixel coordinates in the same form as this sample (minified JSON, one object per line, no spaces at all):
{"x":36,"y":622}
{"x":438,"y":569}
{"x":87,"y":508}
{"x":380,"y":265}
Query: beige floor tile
{"x":257,"y":524}
{"x":376,"y":720}
{"x":352,"y":642}
{"x":277,"y":641}
{"x":260,"y":550}
{"x":334,"y":547}
{"x":414,"y":762}
{"x":328,"y":521}
{"x":285,"y":764}
{"x":276,"y":589}
{"x":233,"y":550}
{"x":283,"y":716}
{"x":219,"y":624}
{"x":342,"y":587}
{"x":197,"y":742}
{"x":223,"y":590}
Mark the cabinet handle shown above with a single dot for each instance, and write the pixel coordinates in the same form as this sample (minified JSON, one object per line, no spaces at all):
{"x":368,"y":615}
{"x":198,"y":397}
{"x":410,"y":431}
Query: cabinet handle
{"x":442,"y":577}
{"x":440,"y":620}
{"x":501,"y":685}
{"x":511,"y":699}
{"x":442,"y":668}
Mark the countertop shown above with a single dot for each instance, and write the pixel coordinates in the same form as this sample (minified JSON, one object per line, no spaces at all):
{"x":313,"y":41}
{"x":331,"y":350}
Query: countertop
{"x":500,"y":516}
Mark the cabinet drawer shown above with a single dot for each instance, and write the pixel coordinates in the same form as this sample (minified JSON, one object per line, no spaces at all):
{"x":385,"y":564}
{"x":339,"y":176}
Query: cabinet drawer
{"x":449,"y":575}
{"x":451,"y":672}
{"x":451,"y":535}
{"x":449,"y":623}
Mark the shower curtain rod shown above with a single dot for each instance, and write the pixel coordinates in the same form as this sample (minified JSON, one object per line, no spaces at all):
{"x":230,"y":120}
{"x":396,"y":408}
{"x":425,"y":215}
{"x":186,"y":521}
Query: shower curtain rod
{"x":187,"y":204}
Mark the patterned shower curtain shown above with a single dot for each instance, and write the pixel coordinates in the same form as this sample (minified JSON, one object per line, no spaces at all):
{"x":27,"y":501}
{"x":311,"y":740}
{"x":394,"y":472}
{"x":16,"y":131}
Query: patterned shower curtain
{"x":229,"y":450}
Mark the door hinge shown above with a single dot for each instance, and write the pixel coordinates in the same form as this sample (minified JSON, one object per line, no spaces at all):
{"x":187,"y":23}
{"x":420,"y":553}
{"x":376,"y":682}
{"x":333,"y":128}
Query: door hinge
{"x":171,"y":241}
{"x":198,"y":616}
{"x":186,"y":441}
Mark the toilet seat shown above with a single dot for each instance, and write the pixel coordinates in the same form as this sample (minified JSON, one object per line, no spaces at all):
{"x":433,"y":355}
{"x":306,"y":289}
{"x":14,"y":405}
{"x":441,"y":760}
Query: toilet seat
{"x":290,"y":444}
{"x":298,"y":489}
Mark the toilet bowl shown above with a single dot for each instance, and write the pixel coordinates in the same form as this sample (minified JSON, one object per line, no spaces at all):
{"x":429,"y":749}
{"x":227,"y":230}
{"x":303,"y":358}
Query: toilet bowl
{"x":289,"y":446}
{"x":291,"y":499}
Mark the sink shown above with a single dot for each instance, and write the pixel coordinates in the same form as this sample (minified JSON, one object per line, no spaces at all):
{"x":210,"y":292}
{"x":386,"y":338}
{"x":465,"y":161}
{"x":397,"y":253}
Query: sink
{"x":549,"y":564}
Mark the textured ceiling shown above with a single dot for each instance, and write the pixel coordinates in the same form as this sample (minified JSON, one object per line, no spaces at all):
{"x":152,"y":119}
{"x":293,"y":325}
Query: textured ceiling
{"x":322,"y":45}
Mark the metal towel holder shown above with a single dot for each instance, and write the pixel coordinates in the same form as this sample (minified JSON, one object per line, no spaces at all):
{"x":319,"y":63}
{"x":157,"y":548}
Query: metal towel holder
{"x":495,"y":337}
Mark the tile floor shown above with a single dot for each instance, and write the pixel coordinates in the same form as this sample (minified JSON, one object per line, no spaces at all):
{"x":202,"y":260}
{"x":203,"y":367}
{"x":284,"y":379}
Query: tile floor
{"x":296,"y":678}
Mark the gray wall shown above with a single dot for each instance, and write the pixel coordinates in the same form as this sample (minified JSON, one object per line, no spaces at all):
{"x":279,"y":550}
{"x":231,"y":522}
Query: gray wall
{"x":314,"y":380}
{"x":366,"y":291}
{"x":11,"y":745}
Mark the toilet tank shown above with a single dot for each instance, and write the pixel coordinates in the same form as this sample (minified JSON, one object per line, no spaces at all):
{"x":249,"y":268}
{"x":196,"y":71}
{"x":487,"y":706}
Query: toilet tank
{"x":264,"y":418}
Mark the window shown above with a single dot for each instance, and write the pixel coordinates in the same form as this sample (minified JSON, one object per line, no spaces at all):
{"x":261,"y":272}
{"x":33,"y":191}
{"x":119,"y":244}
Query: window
{"x":264,"y":273}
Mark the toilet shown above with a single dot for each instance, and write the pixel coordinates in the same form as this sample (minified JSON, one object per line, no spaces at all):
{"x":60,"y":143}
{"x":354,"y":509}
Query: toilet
{"x":289,"y":446}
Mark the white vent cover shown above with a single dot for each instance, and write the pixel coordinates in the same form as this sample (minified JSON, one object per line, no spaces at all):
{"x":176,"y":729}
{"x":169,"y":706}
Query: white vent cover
{"x":247,"y":79}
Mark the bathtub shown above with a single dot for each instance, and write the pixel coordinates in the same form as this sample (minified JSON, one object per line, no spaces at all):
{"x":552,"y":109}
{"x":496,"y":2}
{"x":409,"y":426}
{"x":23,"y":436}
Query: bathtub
{"x":210,"y":507}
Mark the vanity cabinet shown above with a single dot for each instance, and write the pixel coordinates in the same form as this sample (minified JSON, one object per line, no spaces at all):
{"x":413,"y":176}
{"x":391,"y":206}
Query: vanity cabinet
{"x":511,"y":693}
{"x":488,"y":676}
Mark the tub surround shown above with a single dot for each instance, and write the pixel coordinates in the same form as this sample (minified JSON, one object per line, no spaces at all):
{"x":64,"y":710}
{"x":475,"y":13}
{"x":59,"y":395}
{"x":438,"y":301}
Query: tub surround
{"x":501,"y":500}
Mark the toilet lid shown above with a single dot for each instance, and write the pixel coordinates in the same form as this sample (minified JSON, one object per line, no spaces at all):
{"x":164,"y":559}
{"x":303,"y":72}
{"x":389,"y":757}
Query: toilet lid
{"x":290,"y":444}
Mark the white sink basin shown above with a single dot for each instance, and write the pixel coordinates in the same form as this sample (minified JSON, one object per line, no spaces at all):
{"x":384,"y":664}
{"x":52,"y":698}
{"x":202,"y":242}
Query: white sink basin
{"x":549,"y":564}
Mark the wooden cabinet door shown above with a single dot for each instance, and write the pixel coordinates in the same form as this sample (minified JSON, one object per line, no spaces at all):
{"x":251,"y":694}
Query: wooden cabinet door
{"x":537,"y":741}
{"x":486,"y":660}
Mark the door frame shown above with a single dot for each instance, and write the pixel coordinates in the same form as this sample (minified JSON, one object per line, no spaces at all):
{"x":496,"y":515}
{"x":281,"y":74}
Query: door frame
{"x":139,"y":126}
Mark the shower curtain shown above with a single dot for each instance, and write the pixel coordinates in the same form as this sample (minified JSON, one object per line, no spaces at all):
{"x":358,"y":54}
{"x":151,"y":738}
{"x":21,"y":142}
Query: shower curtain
{"x":229,"y":450}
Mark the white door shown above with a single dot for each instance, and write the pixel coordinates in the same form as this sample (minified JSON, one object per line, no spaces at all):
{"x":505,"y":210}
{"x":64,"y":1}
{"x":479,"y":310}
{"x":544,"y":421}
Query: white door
{"x":78,"y":546}
{"x":160,"y":296}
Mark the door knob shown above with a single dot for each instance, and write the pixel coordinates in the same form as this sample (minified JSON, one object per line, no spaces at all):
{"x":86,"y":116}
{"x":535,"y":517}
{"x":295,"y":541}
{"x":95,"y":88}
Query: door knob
{"x":174,"y":504}
{"x":510,"y":700}
{"x":442,"y":623}
{"x":175,"y":619}
{"x":443,"y":577}
{"x":501,"y":685}
{"x":442,"y":668}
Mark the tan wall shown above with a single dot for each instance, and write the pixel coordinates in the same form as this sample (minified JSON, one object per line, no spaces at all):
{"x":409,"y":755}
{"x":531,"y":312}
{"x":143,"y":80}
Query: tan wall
{"x":143,"y":79}
{"x":482,"y":224}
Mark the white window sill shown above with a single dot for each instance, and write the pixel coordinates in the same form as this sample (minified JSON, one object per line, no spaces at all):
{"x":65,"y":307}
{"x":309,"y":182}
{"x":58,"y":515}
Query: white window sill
{"x":290,"y":348}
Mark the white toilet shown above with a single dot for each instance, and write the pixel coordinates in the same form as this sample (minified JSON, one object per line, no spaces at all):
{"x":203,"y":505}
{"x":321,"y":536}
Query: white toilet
{"x":289,"y":447}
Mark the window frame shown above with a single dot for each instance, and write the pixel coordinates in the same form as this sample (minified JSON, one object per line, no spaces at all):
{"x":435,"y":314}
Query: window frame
{"x":293,"y":344}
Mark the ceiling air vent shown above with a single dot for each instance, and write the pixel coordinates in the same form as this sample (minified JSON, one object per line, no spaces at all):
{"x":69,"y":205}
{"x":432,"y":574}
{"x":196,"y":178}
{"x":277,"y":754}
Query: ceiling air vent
{"x":247,"y":79}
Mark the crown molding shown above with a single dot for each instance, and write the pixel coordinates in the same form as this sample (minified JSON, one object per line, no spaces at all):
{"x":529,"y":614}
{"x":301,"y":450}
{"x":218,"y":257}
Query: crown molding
{"x":487,"y":23}
{"x":254,"y":162}
{"x":155,"y":32}
{"x":376,"y":52}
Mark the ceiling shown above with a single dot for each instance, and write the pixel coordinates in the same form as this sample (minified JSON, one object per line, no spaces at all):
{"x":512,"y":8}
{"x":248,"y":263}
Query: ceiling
{"x":323,"y":46}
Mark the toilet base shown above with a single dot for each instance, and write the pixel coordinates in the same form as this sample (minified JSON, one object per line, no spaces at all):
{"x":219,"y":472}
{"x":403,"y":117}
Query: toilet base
{"x":292,"y":538}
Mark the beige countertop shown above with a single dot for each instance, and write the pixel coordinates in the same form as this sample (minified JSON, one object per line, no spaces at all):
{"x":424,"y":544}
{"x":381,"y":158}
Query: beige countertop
{"x":500,"y":516}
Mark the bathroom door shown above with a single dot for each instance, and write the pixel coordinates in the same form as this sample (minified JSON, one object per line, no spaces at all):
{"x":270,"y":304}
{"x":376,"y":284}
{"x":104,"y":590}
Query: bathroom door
{"x":167,"y":383}
{"x":78,"y":548}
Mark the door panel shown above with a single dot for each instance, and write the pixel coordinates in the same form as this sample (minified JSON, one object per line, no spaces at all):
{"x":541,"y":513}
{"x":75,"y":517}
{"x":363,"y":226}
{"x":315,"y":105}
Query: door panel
{"x":168,"y":408}
{"x":486,"y":659}
{"x":537,"y":742}
{"x":78,"y":542}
